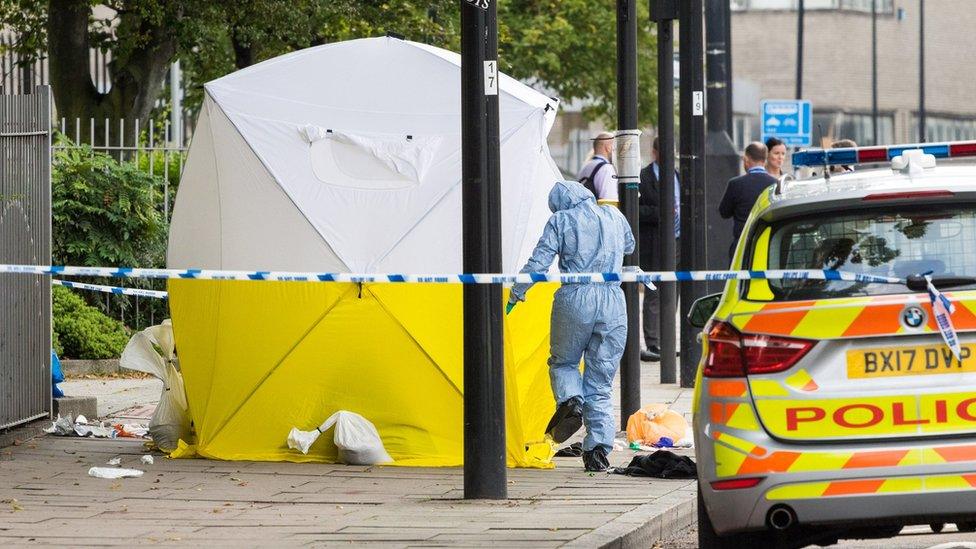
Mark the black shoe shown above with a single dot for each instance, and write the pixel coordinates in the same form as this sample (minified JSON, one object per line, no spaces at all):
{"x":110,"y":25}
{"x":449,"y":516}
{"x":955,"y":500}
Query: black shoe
{"x":566,"y":421}
{"x":651,"y":355}
{"x":595,"y":460}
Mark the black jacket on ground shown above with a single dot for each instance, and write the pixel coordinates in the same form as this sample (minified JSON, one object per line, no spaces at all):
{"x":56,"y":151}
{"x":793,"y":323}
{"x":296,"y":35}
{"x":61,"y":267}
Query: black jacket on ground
{"x":740,"y":196}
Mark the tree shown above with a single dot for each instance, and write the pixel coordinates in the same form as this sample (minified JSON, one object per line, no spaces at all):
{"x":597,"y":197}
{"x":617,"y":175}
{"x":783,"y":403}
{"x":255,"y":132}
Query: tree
{"x":565,"y":46}
{"x":570,"y":47}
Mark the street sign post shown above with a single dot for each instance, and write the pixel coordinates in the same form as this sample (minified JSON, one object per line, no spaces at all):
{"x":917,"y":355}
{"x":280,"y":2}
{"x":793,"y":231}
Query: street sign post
{"x":789,"y":120}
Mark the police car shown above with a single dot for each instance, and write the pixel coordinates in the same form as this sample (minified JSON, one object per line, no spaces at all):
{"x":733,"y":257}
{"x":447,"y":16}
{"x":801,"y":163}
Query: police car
{"x":830,"y":409}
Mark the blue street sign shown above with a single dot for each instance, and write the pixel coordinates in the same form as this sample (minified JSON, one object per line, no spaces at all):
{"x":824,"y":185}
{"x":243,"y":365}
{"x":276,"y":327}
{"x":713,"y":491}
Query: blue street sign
{"x":789,"y":120}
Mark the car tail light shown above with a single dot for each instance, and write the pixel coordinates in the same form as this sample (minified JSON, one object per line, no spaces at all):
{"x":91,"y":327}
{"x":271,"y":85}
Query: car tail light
{"x":732,"y":354}
{"x":724,"y":351}
{"x":765,"y":354}
{"x":736,"y":483}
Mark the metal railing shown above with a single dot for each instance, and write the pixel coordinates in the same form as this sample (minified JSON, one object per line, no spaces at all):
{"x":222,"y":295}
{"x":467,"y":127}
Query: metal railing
{"x":151,"y":145}
{"x":25,"y":233}
{"x":146,"y":140}
{"x":18,"y":76}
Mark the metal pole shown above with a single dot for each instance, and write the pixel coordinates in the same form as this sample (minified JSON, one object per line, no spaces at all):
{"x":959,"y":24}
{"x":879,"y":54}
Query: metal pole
{"x":801,"y":11}
{"x":694,"y":215}
{"x":721,"y":157}
{"x":630,"y":399}
{"x":484,"y":396}
{"x":921,"y":71}
{"x":726,"y":8}
{"x":874,"y":70}
{"x":665,"y":108}
{"x":719,"y":92}
{"x":176,"y":102}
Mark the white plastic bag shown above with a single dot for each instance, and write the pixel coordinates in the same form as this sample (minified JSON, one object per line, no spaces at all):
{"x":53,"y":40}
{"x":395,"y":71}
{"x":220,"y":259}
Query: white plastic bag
{"x":114,"y":472}
{"x":153,"y":351}
{"x":356,"y":437}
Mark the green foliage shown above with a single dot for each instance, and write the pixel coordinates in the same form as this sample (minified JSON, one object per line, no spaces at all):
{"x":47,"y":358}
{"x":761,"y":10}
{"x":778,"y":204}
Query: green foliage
{"x":567,"y":46}
{"x":56,"y":343}
{"x":27,"y":17}
{"x":105,"y":212}
{"x":109,"y":213}
{"x":166,"y":169}
{"x":570,"y":46}
{"x":82,"y":331}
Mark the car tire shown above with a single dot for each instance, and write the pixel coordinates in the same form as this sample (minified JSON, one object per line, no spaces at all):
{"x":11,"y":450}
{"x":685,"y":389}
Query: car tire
{"x":937,"y":527}
{"x":708,"y":538}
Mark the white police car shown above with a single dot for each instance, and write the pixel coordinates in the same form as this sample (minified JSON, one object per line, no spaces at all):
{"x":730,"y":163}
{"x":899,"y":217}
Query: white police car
{"x":829,"y":409}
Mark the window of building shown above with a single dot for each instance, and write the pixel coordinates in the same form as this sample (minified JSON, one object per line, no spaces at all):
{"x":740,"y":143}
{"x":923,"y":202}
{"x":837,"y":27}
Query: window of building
{"x":745,"y":130}
{"x":941,"y":128}
{"x":857,"y":126}
{"x":884,"y":6}
{"x":827,"y":127}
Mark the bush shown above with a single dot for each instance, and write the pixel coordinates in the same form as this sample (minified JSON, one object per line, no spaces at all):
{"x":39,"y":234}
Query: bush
{"x":108,"y":213}
{"x":82,"y":331}
{"x":56,"y":343}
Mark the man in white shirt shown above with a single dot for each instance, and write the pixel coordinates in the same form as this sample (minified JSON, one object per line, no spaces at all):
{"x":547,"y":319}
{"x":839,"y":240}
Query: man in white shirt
{"x":599,"y":175}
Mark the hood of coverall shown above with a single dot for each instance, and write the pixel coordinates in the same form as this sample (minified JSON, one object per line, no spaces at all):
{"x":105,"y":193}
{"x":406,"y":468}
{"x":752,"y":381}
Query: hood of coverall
{"x":568,"y":194}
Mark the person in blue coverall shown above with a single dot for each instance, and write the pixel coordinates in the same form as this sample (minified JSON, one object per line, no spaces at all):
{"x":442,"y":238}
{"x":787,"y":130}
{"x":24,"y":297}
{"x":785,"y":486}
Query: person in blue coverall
{"x":588,"y":320}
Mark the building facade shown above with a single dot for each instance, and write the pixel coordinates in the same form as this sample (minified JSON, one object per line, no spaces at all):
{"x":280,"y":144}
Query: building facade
{"x":837,"y":67}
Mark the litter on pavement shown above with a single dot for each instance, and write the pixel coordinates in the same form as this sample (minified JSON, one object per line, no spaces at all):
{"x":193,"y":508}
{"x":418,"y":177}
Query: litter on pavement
{"x":81,"y":427}
{"x":114,"y":472}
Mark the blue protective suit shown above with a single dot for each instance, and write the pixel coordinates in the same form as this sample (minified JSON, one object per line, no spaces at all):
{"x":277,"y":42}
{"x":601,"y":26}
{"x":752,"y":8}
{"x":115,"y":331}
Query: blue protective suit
{"x":588,"y":320}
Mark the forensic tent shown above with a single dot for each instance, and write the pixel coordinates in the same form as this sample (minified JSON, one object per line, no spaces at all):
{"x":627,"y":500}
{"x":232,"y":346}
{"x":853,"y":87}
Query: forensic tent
{"x":347,"y":158}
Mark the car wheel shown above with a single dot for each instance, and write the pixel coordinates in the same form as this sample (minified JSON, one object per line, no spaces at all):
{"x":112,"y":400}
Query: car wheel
{"x":937,"y":527}
{"x":968,"y":526}
{"x":709,"y":539}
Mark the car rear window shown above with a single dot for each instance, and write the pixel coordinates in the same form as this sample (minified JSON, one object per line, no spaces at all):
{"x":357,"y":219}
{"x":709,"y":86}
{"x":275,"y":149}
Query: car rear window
{"x":889,"y":242}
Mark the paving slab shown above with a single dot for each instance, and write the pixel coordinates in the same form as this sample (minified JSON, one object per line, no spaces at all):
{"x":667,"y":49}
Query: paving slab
{"x":47,"y":498}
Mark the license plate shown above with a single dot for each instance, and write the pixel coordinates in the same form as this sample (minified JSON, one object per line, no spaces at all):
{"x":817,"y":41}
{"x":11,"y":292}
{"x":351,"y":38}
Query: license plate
{"x":908,"y":361}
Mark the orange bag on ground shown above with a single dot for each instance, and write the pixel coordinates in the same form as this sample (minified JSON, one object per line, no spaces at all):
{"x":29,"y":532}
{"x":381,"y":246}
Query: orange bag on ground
{"x":649,"y":424}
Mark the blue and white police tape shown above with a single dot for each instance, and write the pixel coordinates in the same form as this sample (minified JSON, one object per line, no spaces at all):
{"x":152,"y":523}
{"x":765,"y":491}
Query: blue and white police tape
{"x":111,"y":289}
{"x":564,"y":278}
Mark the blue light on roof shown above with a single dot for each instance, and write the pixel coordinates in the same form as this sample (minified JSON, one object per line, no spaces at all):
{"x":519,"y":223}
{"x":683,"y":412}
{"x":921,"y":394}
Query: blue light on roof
{"x":874,"y":155}
{"x":940,"y":150}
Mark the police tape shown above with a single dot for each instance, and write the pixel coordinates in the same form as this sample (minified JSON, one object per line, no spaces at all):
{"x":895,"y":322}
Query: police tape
{"x":156,"y":294}
{"x":520,"y":278}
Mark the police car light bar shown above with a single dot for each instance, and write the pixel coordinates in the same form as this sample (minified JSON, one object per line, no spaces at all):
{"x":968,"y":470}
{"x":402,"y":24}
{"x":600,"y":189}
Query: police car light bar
{"x":872,"y":155}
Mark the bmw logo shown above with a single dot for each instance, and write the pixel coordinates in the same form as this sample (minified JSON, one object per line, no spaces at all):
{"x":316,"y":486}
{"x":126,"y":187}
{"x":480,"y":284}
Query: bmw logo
{"x":914,"y":317}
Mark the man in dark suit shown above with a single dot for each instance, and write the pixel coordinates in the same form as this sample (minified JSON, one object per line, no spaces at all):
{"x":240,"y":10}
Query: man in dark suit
{"x":742,"y":192}
{"x":650,"y":260}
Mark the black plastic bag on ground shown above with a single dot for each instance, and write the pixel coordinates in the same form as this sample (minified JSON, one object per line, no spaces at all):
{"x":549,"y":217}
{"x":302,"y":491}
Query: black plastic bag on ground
{"x":660,"y":464}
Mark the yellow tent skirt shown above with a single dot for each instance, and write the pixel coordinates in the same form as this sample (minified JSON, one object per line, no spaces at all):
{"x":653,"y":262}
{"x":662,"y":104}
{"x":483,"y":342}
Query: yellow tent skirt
{"x":259,"y":358}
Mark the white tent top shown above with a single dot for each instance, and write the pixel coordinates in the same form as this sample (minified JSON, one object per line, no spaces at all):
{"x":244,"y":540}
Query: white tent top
{"x":346,"y":157}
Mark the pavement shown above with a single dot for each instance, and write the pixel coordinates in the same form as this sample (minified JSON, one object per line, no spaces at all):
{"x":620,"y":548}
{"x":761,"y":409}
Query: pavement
{"x":48,"y":498}
{"x":116,"y":395}
{"x":911,"y":537}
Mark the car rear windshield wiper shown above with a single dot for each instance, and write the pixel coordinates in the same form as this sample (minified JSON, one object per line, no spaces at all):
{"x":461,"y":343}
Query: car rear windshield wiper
{"x":917,"y":283}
